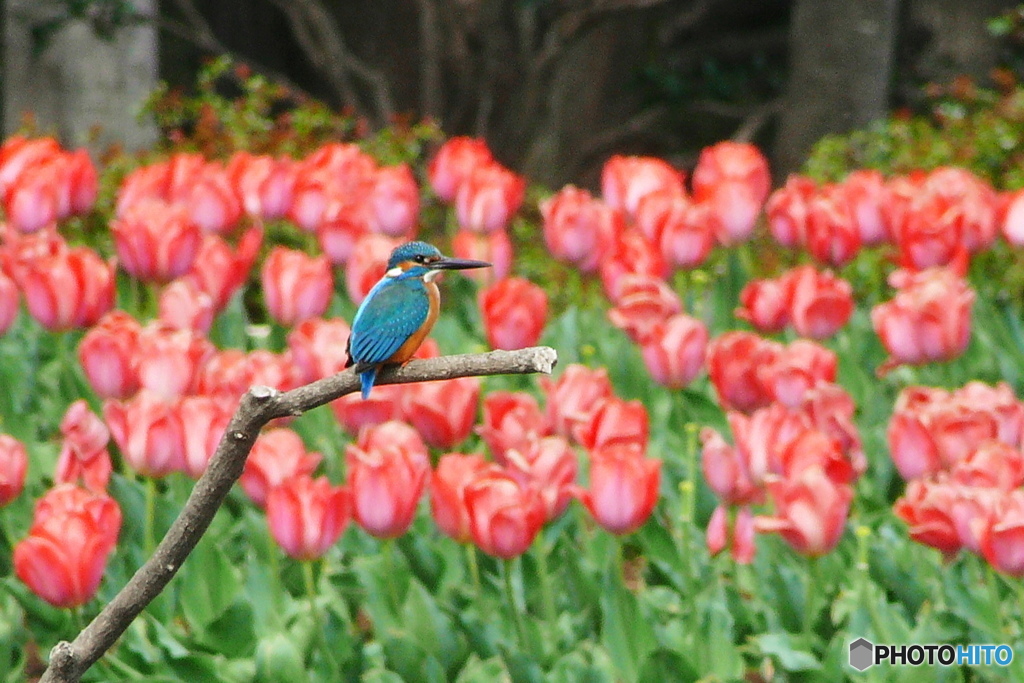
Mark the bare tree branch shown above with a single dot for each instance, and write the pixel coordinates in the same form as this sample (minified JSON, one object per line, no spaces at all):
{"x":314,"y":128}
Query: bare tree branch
{"x":685,"y":21}
{"x":756,"y":120}
{"x":68,"y":661}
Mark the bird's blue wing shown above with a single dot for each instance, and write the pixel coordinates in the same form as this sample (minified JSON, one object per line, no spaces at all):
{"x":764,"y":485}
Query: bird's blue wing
{"x":392,"y":312}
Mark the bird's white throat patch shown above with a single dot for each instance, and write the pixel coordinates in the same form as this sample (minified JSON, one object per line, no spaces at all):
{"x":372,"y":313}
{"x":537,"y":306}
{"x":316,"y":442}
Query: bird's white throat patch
{"x":431,"y":275}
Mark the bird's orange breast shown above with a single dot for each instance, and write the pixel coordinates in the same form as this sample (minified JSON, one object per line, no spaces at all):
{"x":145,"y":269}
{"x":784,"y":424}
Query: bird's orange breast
{"x":408,"y":349}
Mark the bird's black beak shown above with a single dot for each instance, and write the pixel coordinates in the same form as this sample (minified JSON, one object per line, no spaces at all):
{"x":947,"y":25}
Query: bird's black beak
{"x":447,"y":263}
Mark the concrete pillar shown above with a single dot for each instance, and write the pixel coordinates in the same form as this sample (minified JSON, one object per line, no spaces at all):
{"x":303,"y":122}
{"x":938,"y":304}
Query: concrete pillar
{"x":84,"y":88}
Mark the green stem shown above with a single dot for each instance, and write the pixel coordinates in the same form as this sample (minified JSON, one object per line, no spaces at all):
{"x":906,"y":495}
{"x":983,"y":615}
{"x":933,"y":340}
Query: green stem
{"x":150,"y":522}
{"x":810,"y":600}
{"x":474,"y":569}
{"x":547,"y":595}
{"x":320,"y":617}
{"x":389,"y":568}
{"x":510,"y":596}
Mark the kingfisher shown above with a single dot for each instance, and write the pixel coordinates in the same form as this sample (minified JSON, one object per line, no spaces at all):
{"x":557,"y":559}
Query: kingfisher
{"x":399,"y":312}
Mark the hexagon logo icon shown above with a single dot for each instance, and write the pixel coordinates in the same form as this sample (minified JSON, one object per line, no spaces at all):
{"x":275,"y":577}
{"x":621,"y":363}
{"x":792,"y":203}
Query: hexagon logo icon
{"x":861,"y":654}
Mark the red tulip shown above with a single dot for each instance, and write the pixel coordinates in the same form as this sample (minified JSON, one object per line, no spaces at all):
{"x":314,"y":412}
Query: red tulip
{"x":675,"y":351}
{"x":66,"y":288}
{"x":729,"y":470}
{"x":344,"y":224}
{"x":265,"y":184}
{"x":386,"y":485}
{"x":865,"y":191}
{"x":107,"y":355}
{"x":687,"y":235}
{"x":212,"y":202}
{"x":184,"y":306}
{"x":395,"y":202}
{"x":642,"y":303}
{"x":800,"y":367}
{"x":230,"y":373}
{"x":927,"y":508}
{"x":394,"y":435}
{"x":630,"y":254}
{"x":354,"y":412}
{"x":614,"y":421}
{"x":831,"y":233}
{"x":1002,"y":535}
{"x":443,"y":412}
{"x":19,"y":153}
{"x":306,"y":516}
{"x":657,"y":208}
{"x":64,"y":556}
{"x":318,"y":347}
{"x":169,"y":360}
{"x":205,"y":418}
{"x":1011,"y":216}
{"x":488,"y":198}
{"x":625,"y":181}
{"x":367,"y":265}
{"x":504,"y":516}
{"x":575,"y":397}
{"x":548,"y":465}
{"x":993,"y":465}
{"x":741,"y":541}
{"x":999,"y":402}
{"x":512,"y":421}
{"x":820,"y":302}
{"x":737,"y":162}
{"x":578,"y":228}
{"x":766,"y":304}
{"x":448,"y":484}
{"x":150,"y":433}
{"x":623,"y":487}
{"x":156,"y":241}
{"x":970,"y":201}
{"x":734,"y":360}
{"x":296,"y":286}
{"x":813,"y":449}
{"x":494,"y":247}
{"x":454,"y":162}
{"x":219,"y":271}
{"x":31,"y":202}
{"x":810,"y":511}
{"x":13,"y":466}
{"x":787,"y":210}
{"x":926,"y":238}
{"x":9,"y":302}
{"x":83,"y":455}
{"x":514,"y":312}
{"x":277,"y":456}
{"x":928,"y":320}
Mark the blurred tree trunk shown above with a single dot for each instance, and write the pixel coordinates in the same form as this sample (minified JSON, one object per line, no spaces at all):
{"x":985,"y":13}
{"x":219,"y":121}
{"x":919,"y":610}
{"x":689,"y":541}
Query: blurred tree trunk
{"x":841,"y":59}
{"x":86,"y":89}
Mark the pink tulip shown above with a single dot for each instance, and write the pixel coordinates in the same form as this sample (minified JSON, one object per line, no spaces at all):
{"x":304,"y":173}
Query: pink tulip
{"x":766,"y":304}
{"x":107,"y":354}
{"x":549,"y":465}
{"x":394,"y":435}
{"x":928,"y":320}
{"x":219,"y":271}
{"x":631,"y":254}
{"x":514,"y":311}
{"x":675,"y":351}
{"x":149,"y":432}
{"x":265,"y":184}
{"x":277,"y":456}
{"x":386,"y":485}
{"x":512,"y":421}
{"x":66,"y":288}
{"x":367,"y":265}
{"x":575,"y":397}
{"x":454,"y":162}
{"x":688,"y":233}
{"x":578,"y":228}
{"x":448,"y":482}
{"x":787,"y":210}
{"x":9,"y":302}
{"x":494,"y":247}
{"x":1002,"y":537}
{"x":810,"y":511}
{"x":865,"y":191}
{"x":488,"y":198}
{"x":318,"y":347}
{"x":442,"y":412}
{"x":927,"y":508}
{"x":83,"y":455}
{"x":184,"y":306}
{"x":205,"y":419}
{"x":13,"y":467}
{"x":625,"y":181}
{"x":820,"y":303}
{"x":734,"y":360}
{"x":156,"y":241}
{"x":295,"y":286}
{"x":504,"y":516}
{"x":395,"y":202}
{"x":353,"y":412}
{"x":642,"y":304}
{"x":306,"y":516}
{"x":614,"y":421}
{"x":168,"y":360}
{"x":623,"y":487}
{"x":831,"y":234}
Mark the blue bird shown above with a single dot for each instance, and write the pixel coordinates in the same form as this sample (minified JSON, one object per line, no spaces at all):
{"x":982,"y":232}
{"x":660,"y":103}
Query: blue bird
{"x":399,"y":312}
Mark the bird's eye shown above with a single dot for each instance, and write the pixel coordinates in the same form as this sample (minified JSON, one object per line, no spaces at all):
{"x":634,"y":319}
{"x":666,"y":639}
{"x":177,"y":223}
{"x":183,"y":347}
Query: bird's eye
{"x":420,"y":259}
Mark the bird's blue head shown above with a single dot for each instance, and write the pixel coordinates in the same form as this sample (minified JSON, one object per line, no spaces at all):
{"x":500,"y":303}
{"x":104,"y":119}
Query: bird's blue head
{"x":419,"y":259}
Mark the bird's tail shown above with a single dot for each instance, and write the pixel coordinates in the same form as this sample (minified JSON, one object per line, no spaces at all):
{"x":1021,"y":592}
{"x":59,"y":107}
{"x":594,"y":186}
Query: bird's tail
{"x":367,"y":378}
